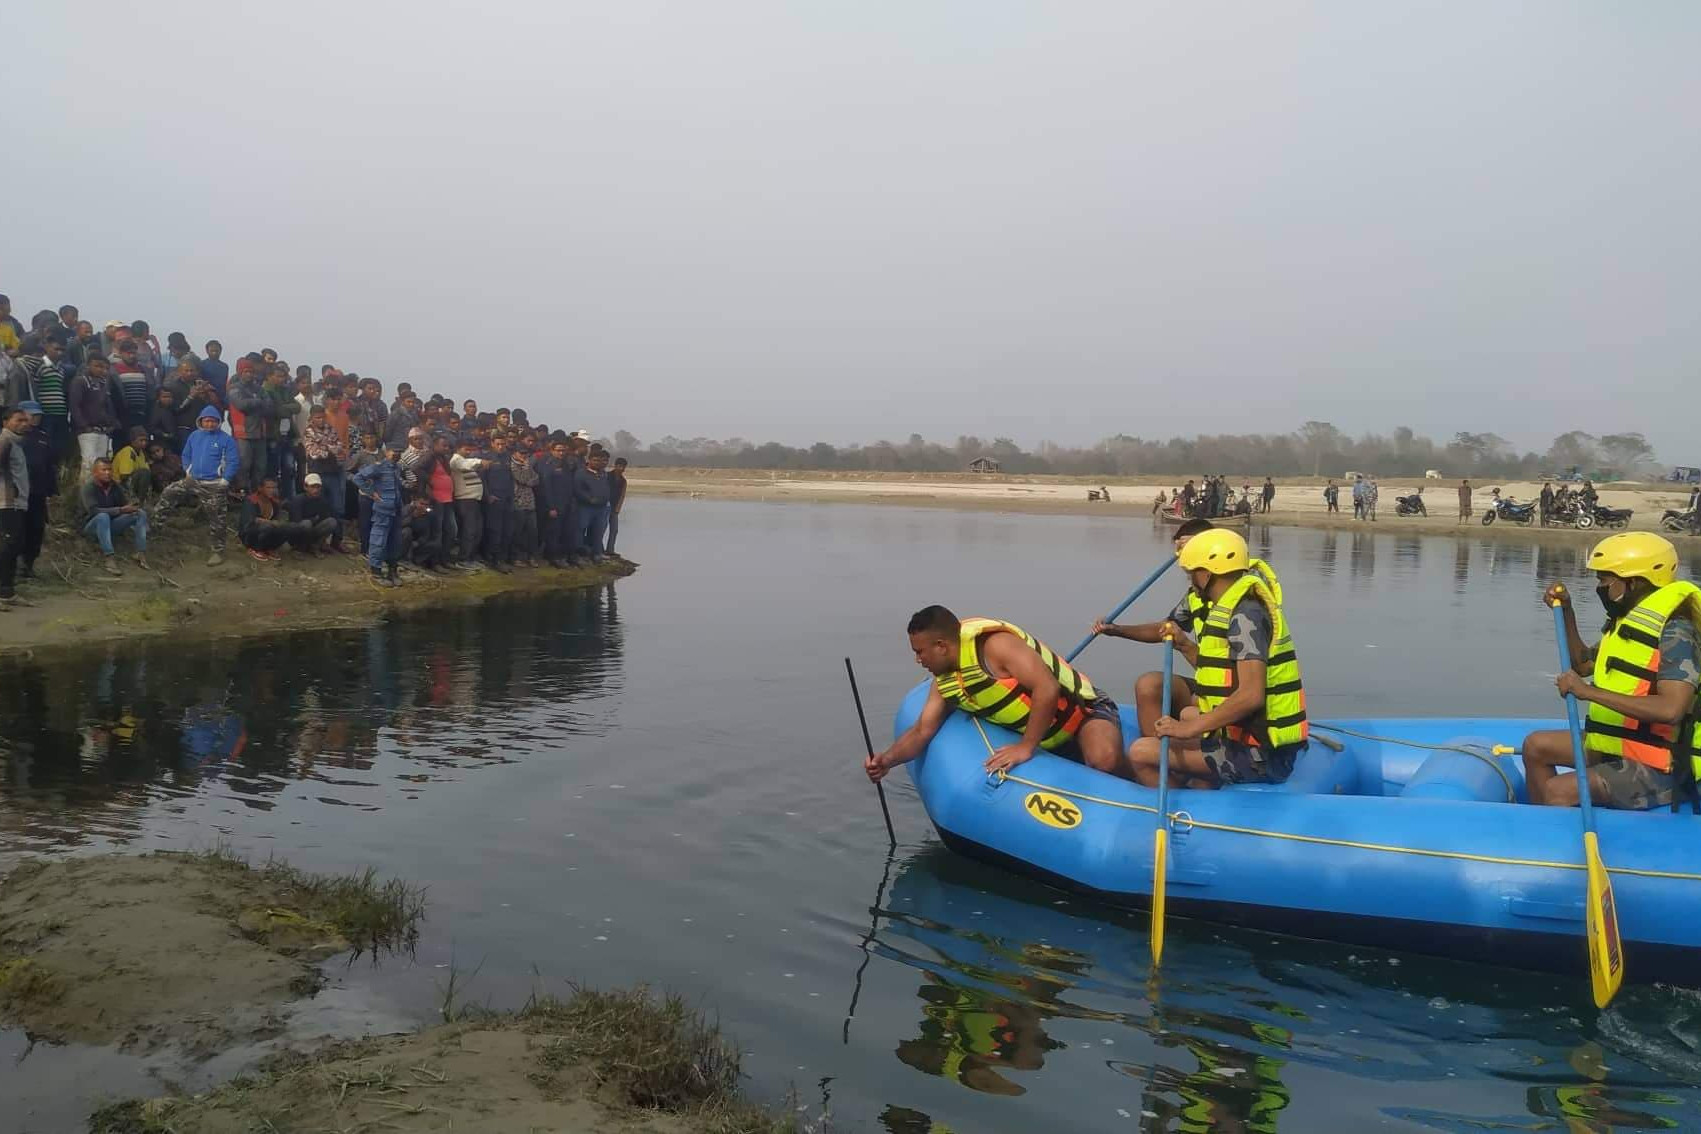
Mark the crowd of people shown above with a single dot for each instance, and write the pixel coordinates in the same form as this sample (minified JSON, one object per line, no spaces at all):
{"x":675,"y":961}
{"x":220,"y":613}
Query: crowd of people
{"x":1214,"y":496}
{"x":319,"y":464}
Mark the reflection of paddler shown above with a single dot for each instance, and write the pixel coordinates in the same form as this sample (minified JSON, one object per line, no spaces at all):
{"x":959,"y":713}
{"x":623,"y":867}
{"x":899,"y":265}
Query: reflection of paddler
{"x":969,"y":1034}
{"x":1233,"y":1090}
{"x":996,"y":671}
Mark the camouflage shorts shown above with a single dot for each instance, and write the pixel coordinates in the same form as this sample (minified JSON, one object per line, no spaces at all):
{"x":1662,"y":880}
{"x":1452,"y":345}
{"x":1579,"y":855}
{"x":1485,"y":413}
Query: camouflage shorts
{"x":1629,"y":785}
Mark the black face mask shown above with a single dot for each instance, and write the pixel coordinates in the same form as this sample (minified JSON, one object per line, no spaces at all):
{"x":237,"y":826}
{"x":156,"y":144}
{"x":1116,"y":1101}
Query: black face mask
{"x":1618,"y":609}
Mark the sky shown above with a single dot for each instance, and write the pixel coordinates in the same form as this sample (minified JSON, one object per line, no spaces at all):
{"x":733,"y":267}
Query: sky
{"x":844,"y":221}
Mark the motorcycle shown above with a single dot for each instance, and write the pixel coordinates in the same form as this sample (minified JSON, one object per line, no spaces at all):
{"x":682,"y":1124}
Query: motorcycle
{"x":1607,"y":517}
{"x":1504,"y":509}
{"x":1410,"y":505}
{"x":1681,"y":521}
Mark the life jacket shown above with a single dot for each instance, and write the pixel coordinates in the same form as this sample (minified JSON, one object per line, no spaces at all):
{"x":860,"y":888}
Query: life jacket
{"x":1214,"y":674}
{"x":1266,"y":574}
{"x":1001,"y":700}
{"x":1628,"y":662}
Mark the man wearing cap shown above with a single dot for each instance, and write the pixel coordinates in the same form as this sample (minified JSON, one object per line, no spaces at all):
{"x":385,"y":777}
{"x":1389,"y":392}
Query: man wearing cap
{"x":315,"y":519}
{"x":210,"y":461}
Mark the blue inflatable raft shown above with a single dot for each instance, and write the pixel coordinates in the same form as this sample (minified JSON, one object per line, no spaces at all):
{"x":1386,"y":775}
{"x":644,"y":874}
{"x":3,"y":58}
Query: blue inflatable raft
{"x":1412,"y":835}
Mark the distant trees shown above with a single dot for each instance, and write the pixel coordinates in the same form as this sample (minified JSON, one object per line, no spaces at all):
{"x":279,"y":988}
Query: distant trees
{"x":1627,"y":454}
{"x":1317,"y":448}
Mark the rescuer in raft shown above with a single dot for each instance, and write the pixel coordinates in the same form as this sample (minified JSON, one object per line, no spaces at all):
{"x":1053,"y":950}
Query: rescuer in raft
{"x":1246,"y":723}
{"x":1642,"y":739}
{"x":1000,"y":673}
{"x":1188,"y":616}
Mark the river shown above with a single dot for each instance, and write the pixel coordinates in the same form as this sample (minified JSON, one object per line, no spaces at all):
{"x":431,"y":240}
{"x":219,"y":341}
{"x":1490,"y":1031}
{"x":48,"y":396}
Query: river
{"x":659,"y":781}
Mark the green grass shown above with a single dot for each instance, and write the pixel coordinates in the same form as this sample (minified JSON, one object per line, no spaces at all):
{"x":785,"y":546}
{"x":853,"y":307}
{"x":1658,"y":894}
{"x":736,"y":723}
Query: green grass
{"x":374,"y":915}
{"x":637,"y":1051}
{"x":656,"y":1053}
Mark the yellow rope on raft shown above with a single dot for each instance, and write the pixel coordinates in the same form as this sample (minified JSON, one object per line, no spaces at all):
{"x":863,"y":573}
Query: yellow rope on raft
{"x":1319,"y":840}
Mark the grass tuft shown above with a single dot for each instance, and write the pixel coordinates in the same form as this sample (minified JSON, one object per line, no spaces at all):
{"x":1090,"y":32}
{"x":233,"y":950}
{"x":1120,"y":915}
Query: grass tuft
{"x":658,"y":1054}
{"x":26,"y":982}
{"x":373,"y":915}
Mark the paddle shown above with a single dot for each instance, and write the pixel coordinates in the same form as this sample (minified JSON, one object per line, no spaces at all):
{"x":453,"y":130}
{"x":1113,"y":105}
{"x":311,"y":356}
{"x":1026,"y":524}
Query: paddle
{"x":1160,"y":841}
{"x":880,"y":789}
{"x":1600,"y":916}
{"x":1122,"y":606}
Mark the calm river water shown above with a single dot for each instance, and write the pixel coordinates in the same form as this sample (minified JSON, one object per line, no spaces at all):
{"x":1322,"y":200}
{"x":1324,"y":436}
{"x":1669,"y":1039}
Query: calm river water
{"x":660,"y":782}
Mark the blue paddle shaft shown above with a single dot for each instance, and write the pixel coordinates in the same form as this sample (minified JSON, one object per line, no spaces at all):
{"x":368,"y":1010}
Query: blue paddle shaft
{"x":1163,"y":742}
{"x":1122,"y":606}
{"x":1581,"y":765}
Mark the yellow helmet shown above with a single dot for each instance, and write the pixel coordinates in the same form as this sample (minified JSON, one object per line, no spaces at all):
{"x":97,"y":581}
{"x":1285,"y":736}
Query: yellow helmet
{"x":1218,"y":551}
{"x":1636,"y":555}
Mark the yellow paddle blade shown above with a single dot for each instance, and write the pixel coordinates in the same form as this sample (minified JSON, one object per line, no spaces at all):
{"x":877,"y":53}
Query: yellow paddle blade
{"x":1606,"y":952}
{"x":1160,"y":856}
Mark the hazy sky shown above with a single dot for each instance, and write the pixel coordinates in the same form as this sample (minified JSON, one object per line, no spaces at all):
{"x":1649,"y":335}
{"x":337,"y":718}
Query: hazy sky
{"x":850,"y":220}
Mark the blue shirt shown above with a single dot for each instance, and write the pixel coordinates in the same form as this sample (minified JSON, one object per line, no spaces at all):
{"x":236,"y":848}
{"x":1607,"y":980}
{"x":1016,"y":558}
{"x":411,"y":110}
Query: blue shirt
{"x":383,"y":479}
{"x":210,"y":455}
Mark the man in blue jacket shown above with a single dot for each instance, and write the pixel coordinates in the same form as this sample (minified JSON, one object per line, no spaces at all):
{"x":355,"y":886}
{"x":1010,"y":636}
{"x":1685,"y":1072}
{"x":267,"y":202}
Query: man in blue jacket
{"x":381,"y":482}
{"x":210,"y":462}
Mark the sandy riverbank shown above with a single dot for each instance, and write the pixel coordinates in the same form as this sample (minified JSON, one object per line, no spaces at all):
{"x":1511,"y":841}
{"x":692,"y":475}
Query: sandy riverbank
{"x":196,"y":955}
{"x":73,"y":602}
{"x":1298,"y":502}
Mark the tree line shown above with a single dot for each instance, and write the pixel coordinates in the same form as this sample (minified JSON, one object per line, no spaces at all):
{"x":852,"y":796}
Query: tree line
{"x":1317,"y":448}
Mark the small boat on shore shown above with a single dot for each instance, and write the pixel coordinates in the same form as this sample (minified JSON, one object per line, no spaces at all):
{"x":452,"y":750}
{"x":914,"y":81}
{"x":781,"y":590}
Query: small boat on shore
{"x":1241,"y":519}
{"x":1408,"y":834}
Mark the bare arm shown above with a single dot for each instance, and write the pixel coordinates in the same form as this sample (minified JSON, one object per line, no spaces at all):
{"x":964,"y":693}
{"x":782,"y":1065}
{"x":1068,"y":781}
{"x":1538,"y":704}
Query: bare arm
{"x":1667,"y":703}
{"x":1153,"y":633}
{"x":1247,"y":699}
{"x":1010,"y":654}
{"x":913,"y":742}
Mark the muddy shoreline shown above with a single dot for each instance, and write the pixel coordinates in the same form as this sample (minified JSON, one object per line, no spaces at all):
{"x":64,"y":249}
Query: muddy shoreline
{"x":187,"y":957}
{"x":1299,"y":503}
{"x":73,"y":603}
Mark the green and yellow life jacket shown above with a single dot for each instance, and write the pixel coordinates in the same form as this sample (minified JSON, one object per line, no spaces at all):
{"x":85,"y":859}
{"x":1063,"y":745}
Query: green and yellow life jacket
{"x":973,"y":689}
{"x":1628,"y":662}
{"x":1214,"y":674}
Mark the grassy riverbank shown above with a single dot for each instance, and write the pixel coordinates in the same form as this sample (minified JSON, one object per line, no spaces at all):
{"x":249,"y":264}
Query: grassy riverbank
{"x":72,"y":601}
{"x":1299,"y":502}
{"x":199,"y":954}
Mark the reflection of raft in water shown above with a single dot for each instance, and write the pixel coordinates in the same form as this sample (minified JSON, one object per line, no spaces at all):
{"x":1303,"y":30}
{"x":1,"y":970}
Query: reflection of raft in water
{"x":1243,"y":519}
{"x":1383,"y":843}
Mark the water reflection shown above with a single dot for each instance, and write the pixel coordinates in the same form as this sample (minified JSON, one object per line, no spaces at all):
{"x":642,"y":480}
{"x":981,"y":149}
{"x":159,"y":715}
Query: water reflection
{"x":1461,"y":566}
{"x":146,"y":721}
{"x":1014,"y":975}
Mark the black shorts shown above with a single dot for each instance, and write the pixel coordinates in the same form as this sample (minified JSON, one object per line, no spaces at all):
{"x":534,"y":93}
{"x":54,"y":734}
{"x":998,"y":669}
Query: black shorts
{"x":1099,"y":709}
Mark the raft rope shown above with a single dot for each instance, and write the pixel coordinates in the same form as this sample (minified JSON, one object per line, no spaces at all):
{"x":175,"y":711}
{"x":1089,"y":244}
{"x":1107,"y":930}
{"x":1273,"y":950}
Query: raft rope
{"x":1467,"y":749}
{"x":1187,"y":821}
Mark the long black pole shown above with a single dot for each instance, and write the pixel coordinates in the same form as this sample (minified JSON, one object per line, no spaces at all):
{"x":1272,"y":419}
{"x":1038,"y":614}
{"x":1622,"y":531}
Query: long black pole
{"x":880,"y":789}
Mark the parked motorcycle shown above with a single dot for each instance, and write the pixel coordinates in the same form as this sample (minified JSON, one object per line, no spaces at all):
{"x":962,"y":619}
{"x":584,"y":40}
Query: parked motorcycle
{"x":1410,"y":505}
{"x":1682,"y":521}
{"x":1504,"y":509}
{"x":1607,"y":517}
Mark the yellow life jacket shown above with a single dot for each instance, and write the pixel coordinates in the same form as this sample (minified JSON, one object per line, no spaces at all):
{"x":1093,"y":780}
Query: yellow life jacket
{"x":1628,"y":662}
{"x":1266,"y":574}
{"x":973,"y":689}
{"x":1214,"y":674}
